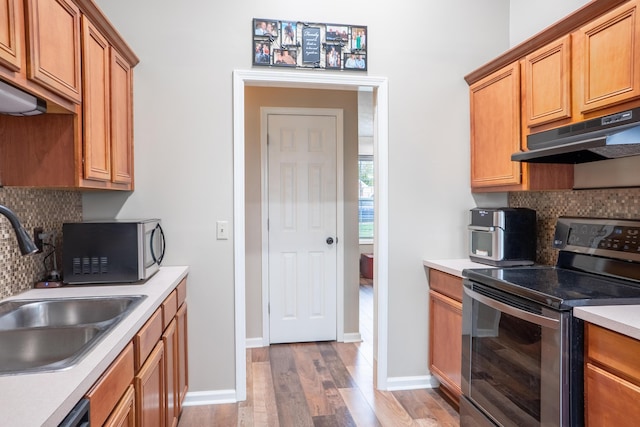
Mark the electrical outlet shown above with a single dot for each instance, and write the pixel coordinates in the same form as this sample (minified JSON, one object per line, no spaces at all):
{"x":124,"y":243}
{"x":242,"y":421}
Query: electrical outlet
{"x":37,"y":231}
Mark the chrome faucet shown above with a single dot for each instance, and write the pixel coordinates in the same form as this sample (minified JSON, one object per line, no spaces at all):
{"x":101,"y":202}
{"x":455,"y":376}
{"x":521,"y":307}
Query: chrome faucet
{"x":24,"y":241}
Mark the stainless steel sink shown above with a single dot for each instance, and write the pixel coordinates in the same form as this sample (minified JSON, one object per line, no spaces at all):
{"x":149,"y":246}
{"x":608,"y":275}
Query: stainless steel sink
{"x":63,"y":312}
{"x":24,"y":350}
{"x":54,"y":334}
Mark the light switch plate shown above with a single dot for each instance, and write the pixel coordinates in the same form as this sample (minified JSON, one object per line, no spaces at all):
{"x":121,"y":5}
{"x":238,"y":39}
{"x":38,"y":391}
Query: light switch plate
{"x":222,"y":230}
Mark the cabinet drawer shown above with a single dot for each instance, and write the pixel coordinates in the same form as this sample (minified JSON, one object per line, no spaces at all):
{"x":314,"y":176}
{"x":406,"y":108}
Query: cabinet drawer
{"x":613,"y":350}
{"x":147,"y":337}
{"x":182,"y":291}
{"x":610,"y":400}
{"x":106,"y":393}
{"x":446,"y":284}
{"x":169,"y":309}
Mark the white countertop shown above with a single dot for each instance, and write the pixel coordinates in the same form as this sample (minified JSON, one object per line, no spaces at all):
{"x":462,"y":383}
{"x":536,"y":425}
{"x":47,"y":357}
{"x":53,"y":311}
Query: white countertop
{"x":453,"y":266}
{"x":624,"y":319}
{"x":44,"y":399}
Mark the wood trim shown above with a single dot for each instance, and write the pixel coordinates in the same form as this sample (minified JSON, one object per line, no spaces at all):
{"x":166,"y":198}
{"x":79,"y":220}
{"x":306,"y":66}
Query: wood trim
{"x":565,"y":26}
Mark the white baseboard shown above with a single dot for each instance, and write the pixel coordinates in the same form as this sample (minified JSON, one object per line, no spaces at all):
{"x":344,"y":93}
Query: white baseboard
{"x":352,"y":337}
{"x":212,"y":397}
{"x":411,"y":383}
{"x":255,"y":343}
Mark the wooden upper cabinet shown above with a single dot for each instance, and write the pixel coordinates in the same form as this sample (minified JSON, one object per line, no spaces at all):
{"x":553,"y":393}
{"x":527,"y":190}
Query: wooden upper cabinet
{"x":547,"y":83}
{"x":121,"y":103}
{"x":107,"y":112}
{"x":95,"y":106}
{"x":608,"y":59}
{"x":495,"y":128}
{"x":11,"y":36}
{"x":54,"y":46}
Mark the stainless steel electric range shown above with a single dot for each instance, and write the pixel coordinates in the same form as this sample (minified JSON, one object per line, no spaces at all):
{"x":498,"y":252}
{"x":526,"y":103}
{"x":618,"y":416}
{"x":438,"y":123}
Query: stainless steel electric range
{"x":522,"y":348}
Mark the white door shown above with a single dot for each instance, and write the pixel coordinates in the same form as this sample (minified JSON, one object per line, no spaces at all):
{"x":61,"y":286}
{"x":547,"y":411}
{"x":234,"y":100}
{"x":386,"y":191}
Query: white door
{"x":302,"y":227}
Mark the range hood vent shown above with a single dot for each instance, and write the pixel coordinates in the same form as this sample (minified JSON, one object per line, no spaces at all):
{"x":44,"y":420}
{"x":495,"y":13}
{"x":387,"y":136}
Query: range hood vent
{"x":609,"y":137}
{"x":15,"y":102}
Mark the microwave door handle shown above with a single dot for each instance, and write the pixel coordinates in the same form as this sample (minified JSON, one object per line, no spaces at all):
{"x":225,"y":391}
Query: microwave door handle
{"x":543,"y":321}
{"x":158,"y":259}
{"x":481,"y":228}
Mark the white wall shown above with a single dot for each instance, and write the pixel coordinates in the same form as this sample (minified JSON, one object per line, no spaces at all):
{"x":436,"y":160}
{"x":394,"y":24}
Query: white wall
{"x":183,"y":133}
{"x":528,"y":18}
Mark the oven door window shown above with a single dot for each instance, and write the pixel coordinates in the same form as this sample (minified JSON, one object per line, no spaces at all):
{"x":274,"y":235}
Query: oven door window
{"x":514,"y":367}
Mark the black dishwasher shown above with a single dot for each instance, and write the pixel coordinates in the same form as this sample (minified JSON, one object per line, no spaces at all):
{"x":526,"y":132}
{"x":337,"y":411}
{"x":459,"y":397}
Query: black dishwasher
{"x":78,"y":416}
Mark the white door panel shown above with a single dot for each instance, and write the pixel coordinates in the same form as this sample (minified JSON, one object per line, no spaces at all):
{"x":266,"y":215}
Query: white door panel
{"x":302,"y":214}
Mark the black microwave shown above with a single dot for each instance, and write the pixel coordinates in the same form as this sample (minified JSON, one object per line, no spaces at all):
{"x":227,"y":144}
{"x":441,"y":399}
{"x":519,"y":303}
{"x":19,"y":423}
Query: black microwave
{"x":113,"y":251}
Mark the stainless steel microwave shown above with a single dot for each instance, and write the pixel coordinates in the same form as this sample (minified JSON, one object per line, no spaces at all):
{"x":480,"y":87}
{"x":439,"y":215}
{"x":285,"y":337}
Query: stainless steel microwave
{"x":113,"y":251}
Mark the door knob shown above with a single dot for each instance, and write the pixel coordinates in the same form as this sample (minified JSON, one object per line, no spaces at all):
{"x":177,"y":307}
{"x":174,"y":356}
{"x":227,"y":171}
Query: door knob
{"x":329,"y":240}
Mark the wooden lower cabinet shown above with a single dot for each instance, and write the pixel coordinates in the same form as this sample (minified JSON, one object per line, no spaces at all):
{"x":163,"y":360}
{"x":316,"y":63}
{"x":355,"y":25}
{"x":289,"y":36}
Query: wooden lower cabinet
{"x":169,"y":339}
{"x":150,"y":392}
{"x":445,"y":331}
{"x":111,"y":387}
{"x":146,"y":385}
{"x":124,"y":415}
{"x":182,"y":355}
{"x":612,"y":378}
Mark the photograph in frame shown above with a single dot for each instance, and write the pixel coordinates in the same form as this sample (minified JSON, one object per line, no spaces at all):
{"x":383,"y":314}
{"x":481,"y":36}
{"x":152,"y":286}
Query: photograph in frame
{"x":358,"y":38}
{"x":337,"y":33}
{"x":289,"y":36}
{"x":261,"y":52}
{"x":355,"y":61}
{"x":333,"y":59}
{"x":285,"y":57}
{"x":265,"y":28}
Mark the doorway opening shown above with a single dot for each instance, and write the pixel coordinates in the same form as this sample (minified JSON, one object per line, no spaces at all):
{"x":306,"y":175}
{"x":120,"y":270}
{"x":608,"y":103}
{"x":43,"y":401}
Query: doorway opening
{"x":379,"y":86}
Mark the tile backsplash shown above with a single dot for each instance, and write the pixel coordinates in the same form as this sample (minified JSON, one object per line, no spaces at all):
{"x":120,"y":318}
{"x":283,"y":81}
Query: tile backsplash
{"x":549,"y":205}
{"x":35,"y":208}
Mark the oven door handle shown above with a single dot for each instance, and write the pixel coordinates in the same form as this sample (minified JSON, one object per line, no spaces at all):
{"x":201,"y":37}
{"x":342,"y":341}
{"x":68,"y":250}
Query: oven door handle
{"x":480,"y":228}
{"x":543,"y":321}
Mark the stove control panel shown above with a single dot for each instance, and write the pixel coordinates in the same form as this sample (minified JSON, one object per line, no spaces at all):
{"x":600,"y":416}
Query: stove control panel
{"x":614,"y":238}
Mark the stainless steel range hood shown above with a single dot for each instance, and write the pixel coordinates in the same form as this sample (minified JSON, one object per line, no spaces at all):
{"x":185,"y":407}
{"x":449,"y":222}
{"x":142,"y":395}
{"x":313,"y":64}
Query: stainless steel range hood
{"x":15,"y":102}
{"x":609,"y":137}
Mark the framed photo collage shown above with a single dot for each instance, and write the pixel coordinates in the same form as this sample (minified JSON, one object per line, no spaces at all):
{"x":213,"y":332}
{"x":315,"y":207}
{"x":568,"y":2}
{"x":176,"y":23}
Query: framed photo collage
{"x":304,"y":45}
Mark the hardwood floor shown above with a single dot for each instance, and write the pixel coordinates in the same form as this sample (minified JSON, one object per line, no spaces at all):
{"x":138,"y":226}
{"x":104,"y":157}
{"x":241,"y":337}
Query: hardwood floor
{"x":322,"y":384}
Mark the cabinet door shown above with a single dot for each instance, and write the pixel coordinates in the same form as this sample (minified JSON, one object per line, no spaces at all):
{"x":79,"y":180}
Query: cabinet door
{"x":547,"y":83}
{"x":121,"y":120}
{"x":10,"y":37}
{"x":495,"y":128}
{"x":124,"y":415}
{"x":610,"y":400}
{"x":54,"y":46}
{"x":608,"y":55}
{"x":445,"y":343}
{"x":108,"y":391}
{"x":169,"y":339}
{"x":149,"y":384}
{"x":95,"y":106}
{"x":182,"y":358}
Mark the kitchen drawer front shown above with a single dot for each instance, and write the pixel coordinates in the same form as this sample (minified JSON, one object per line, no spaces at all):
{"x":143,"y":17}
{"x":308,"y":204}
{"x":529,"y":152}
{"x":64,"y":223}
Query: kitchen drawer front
{"x":610,"y":400}
{"x":107,"y":392}
{"x":446,"y":284}
{"x":147,"y":337}
{"x":615,"y":351}
{"x":169,"y":309}
{"x":182,"y":291}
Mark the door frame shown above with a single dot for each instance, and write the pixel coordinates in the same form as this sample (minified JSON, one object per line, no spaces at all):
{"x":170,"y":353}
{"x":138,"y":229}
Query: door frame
{"x":338,"y":114}
{"x":303,"y":80}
